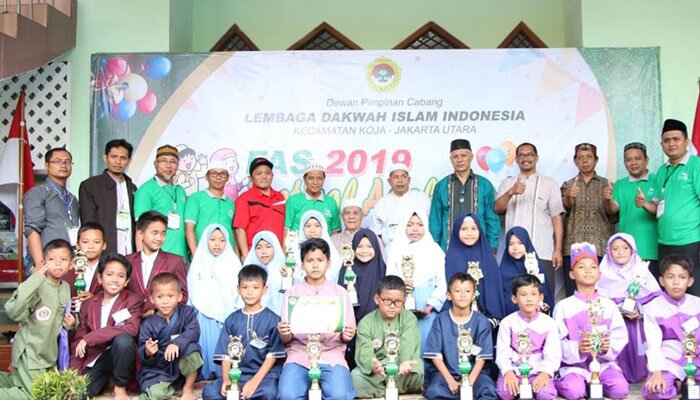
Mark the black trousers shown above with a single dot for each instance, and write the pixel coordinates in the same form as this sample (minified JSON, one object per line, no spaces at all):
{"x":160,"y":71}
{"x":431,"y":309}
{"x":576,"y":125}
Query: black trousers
{"x":116,"y":361}
{"x":691,"y":250}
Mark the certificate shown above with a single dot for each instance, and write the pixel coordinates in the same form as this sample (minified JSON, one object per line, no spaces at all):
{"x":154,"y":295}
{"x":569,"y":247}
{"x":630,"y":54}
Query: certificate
{"x":316,"y":314}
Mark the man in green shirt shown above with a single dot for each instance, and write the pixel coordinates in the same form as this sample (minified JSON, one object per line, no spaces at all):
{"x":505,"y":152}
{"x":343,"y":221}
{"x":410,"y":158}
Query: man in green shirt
{"x":312,"y":198}
{"x":209,"y":206}
{"x":676,"y":198}
{"x":634,"y":217}
{"x":162,"y":195}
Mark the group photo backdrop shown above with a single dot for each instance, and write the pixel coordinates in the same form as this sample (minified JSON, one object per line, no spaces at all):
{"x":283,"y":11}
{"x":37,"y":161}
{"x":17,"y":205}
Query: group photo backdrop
{"x":356,"y":112}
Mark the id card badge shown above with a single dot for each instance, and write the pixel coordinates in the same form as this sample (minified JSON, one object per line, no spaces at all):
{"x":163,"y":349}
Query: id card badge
{"x":121,"y":316}
{"x":691,"y":325}
{"x":73,"y":235}
{"x":173,"y":221}
{"x":660,"y":209}
{"x":123,"y":221}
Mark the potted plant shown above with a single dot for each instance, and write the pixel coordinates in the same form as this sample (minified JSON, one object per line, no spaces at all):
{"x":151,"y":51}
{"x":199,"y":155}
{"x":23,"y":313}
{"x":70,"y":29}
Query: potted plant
{"x":60,"y":385}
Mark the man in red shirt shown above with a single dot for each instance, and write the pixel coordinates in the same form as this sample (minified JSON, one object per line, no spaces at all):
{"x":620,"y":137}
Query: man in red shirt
{"x":260,"y":208}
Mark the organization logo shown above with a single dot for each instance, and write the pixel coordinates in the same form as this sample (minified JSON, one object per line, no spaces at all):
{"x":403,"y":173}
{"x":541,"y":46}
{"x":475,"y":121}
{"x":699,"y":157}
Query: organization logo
{"x":383,"y":75}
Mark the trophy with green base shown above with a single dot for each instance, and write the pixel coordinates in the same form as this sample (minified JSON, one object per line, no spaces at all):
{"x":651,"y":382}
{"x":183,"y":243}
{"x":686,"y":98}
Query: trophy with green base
{"x":629,"y":305}
{"x":523,"y":346}
{"x":313,"y":351}
{"x":408,"y":267}
{"x":474,"y":270}
{"x":596,"y":337}
{"x":80,"y":262}
{"x":291,"y":244}
{"x":690,"y":348}
{"x":465,"y":342}
{"x":392,"y":344}
{"x":350,"y":277}
{"x":235,"y":351}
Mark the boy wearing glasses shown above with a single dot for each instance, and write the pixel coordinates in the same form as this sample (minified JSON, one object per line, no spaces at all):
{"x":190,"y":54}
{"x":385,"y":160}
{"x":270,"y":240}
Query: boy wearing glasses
{"x":369,"y":377}
{"x":50,"y":210}
{"x":209,"y":206}
{"x":161,"y":194}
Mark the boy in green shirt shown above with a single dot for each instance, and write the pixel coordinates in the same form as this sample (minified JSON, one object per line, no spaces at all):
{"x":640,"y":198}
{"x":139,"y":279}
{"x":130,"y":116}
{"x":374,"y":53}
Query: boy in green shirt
{"x":39,"y":306}
{"x":369,"y":377}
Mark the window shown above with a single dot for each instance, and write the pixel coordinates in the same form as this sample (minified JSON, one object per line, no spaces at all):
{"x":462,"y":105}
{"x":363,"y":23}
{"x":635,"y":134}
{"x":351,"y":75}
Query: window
{"x":324,"y":37}
{"x":522,"y":37}
{"x":431,"y":36}
{"x":235,"y":40}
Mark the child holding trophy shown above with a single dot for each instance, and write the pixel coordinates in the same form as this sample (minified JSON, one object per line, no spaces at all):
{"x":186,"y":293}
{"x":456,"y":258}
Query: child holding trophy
{"x":38,"y":305}
{"x":592,"y":333}
{"x":419,"y":261}
{"x":459,"y":345}
{"x":316,"y":308}
{"x":255,"y":326}
{"x":673,"y":331}
{"x":469,"y":251}
{"x":104,"y":345}
{"x":626,"y":279}
{"x":529,"y":350}
{"x":91,"y":241}
{"x":377,"y":362}
{"x":267,"y":253}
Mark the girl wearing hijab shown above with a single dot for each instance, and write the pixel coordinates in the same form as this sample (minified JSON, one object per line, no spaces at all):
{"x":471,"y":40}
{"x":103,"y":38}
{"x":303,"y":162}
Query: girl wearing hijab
{"x":369,"y":267}
{"x":513,"y":264}
{"x":212,"y":281}
{"x":314,"y":225}
{"x":429,"y":285}
{"x":469,"y":244}
{"x":621,"y":269}
{"x":267,"y":253}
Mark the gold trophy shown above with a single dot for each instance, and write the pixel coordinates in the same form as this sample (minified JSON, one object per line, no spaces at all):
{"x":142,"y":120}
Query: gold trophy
{"x":407,"y":268}
{"x":235,"y":351}
{"x":465,"y":342}
{"x":392,"y":344}
{"x":291,"y":244}
{"x":596,"y":337}
{"x":474,"y":270}
{"x":313,"y":350}
{"x":350,"y":276}
{"x":80,"y":263}
{"x":690,"y":349}
{"x":523,"y":346}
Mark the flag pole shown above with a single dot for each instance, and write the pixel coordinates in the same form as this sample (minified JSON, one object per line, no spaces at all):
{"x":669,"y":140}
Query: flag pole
{"x":20,"y":193}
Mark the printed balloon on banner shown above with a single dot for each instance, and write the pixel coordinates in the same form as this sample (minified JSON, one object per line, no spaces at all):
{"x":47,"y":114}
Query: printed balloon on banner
{"x":148,"y":103}
{"x":134,"y":86}
{"x":481,"y":157}
{"x":509,"y":149}
{"x":118,"y":66}
{"x":157,"y":67}
{"x":495,"y":159}
{"x":124,"y":110}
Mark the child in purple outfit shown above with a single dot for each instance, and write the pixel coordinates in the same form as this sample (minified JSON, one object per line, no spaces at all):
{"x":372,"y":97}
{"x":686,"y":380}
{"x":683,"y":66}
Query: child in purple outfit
{"x":574,"y":316}
{"x":667,"y":319}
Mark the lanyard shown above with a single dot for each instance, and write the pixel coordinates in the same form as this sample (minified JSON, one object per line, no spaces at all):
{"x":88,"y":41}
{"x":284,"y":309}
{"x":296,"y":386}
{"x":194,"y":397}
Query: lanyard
{"x":668,"y":176}
{"x":173,"y":196}
{"x":67,"y":199}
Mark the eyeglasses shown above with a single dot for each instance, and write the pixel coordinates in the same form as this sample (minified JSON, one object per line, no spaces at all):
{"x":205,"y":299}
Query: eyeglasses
{"x":526,"y":155}
{"x":62,"y":162}
{"x":169,"y":162}
{"x":214,"y":174}
{"x":390,"y":302}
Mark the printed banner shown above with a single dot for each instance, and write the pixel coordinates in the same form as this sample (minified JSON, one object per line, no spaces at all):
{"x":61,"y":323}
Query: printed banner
{"x":357,"y":112}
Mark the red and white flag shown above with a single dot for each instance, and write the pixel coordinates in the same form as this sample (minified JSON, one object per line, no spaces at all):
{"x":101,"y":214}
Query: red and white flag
{"x":10,"y":179}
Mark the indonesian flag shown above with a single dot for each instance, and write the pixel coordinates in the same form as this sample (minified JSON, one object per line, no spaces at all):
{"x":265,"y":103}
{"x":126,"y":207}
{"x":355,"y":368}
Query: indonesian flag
{"x":696,"y":125}
{"x":10,"y":179}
